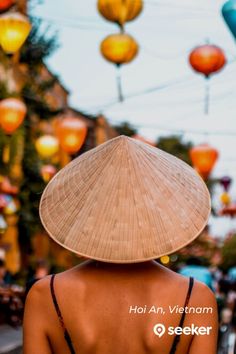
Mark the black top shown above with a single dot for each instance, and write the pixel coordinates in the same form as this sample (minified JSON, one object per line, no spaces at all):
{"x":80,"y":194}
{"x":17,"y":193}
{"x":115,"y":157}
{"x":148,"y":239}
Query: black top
{"x":68,"y":338}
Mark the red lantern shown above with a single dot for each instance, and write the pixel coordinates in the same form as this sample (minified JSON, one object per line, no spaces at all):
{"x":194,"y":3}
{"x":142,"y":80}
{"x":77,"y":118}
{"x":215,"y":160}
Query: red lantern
{"x":207,"y":59}
{"x":203,"y":158}
{"x":5,"y":5}
{"x":12,"y":114}
{"x":47,"y":172}
{"x":71,"y":133}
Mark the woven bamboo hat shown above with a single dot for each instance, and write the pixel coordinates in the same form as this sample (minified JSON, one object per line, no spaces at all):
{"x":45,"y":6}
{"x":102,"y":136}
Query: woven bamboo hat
{"x":125,"y":202}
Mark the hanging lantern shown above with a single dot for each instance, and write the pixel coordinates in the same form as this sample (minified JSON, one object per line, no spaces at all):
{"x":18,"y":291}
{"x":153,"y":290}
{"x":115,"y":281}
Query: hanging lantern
{"x":47,"y":146}
{"x":71,"y":133}
{"x":207,"y":59}
{"x":12,"y":114}
{"x":3,"y":225}
{"x":119,"y":49}
{"x":229,"y":14}
{"x":225,"y":182}
{"x":47,"y":172}
{"x":120,"y":11}
{"x":225,"y":198}
{"x":203,"y":158}
{"x":5,"y":5}
{"x":14,"y":29}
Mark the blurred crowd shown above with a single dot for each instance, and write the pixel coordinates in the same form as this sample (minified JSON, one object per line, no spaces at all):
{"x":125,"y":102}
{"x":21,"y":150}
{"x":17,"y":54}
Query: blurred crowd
{"x":223,"y":284}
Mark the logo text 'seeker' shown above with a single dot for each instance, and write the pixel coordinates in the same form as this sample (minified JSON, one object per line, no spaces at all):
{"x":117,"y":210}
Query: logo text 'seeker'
{"x":159,"y":329}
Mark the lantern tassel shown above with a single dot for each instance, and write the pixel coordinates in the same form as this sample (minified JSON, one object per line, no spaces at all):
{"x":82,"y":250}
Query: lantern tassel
{"x":119,"y":84}
{"x":207,"y":96}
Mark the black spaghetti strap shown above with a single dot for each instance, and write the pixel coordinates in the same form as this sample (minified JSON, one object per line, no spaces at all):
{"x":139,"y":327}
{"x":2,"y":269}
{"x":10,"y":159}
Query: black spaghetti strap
{"x":177,"y":337}
{"x":59,"y":315}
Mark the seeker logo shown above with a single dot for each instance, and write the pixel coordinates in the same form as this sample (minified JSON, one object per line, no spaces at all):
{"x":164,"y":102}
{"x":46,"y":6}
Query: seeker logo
{"x":159,"y":329}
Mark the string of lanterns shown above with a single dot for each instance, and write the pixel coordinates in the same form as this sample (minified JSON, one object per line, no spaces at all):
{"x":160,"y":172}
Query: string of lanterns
{"x":228,"y":207}
{"x":119,"y":48}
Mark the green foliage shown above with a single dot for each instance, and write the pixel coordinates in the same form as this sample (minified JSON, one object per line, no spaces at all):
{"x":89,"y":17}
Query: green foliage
{"x":125,"y":128}
{"x":175,"y":146}
{"x":229,"y":253}
{"x":39,"y":45}
{"x":30,"y":193}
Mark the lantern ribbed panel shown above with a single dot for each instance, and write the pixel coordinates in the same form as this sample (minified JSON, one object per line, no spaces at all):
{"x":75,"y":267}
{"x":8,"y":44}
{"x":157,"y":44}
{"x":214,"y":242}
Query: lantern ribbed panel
{"x":120,"y":11}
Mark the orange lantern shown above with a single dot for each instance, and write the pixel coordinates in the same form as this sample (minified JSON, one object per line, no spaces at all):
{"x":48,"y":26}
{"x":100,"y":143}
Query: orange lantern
{"x":120,"y":11}
{"x":47,"y":146}
{"x":12,"y":114}
{"x":207,"y":59}
{"x":203,"y":158}
{"x":5,"y":5}
{"x":71,"y":133}
{"x":119,"y":49}
{"x":47,"y":172}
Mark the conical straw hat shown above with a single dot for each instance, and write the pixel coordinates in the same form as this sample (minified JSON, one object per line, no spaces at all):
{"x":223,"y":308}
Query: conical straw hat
{"x":125,"y":202}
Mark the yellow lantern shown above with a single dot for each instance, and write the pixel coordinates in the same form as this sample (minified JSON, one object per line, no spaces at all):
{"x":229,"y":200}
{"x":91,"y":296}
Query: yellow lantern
{"x":120,"y":11}
{"x":47,"y":146}
{"x":225,"y":198}
{"x":119,"y":48}
{"x":12,"y":114}
{"x":165,"y":259}
{"x":14,"y":29}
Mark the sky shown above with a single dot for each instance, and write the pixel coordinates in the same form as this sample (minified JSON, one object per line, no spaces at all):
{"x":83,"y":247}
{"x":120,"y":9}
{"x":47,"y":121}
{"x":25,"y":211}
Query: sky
{"x":163,"y":95}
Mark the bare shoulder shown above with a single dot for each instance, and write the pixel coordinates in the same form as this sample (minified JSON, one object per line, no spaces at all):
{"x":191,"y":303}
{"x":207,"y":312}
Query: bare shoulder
{"x":203,"y":295}
{"x":39,"y":292}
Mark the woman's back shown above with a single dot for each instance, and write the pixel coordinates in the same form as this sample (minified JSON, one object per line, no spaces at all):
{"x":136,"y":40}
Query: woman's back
{"x":113,"y":309}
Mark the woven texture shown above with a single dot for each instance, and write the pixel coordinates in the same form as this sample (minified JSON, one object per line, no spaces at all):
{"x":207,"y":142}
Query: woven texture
{"x":124,"y":202}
